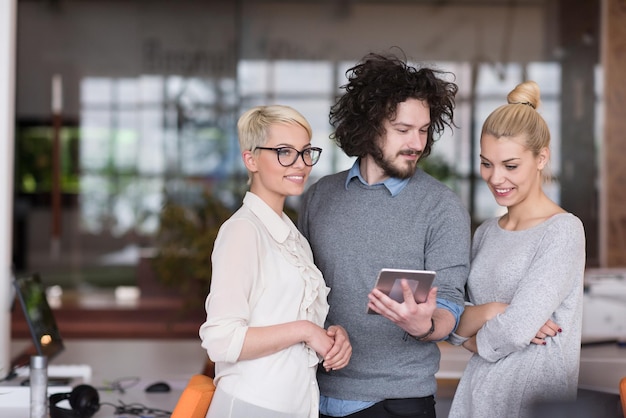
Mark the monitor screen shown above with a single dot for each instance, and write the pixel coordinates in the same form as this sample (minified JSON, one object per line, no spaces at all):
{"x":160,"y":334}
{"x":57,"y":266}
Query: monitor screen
{"x":45,"y":334}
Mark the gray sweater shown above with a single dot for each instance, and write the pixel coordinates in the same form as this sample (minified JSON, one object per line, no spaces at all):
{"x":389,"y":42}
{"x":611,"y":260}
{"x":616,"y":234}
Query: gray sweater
{"x":539,"y":273}
{"x":355,"y":232}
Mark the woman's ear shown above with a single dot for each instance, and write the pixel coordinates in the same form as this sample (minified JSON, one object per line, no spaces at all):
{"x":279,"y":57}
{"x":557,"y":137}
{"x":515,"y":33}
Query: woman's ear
{"x":249,"y":160}
{"x":543,"y":158}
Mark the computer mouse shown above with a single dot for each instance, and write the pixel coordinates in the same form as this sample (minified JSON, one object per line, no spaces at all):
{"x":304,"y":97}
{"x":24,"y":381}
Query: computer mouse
{"x":157,"y":387}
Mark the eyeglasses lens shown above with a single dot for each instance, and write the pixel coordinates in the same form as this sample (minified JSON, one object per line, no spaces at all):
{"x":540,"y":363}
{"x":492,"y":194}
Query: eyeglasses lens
{"x":289,"y":156}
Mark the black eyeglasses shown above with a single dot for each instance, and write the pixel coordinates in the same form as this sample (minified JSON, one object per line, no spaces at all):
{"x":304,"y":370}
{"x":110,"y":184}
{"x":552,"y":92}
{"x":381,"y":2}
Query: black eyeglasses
{"x":287,"y":156}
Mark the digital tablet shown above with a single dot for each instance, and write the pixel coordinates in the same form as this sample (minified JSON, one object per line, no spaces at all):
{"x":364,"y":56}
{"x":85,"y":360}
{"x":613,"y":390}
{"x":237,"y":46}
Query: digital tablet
{"x":389,"y":282}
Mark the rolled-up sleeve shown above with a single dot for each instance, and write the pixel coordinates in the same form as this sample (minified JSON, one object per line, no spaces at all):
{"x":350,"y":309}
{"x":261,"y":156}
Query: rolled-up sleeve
{"x":453,"y":308}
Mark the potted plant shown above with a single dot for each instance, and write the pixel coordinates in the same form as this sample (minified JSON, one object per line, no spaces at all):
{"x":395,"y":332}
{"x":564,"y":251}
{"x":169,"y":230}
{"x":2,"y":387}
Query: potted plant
{"x":184,"y":243}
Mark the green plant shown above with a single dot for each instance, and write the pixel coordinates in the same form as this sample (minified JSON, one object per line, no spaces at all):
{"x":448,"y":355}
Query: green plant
{"x":184,"y":245}
{"x":33,"y":154}
{"x":437,"y":167}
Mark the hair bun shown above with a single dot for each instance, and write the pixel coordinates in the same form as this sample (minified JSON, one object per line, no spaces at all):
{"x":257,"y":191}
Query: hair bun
{"x":526,"y":93}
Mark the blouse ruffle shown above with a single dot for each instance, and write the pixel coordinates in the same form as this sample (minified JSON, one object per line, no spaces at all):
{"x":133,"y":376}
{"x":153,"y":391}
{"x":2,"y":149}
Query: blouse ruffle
{"x":314,"y":306}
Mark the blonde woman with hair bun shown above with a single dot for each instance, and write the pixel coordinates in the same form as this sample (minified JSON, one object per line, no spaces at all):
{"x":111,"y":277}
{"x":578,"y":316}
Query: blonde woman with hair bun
{"x":523,"y":314}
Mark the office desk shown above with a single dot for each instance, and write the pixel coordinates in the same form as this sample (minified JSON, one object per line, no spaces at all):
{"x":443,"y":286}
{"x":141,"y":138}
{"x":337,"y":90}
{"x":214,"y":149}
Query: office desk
{"x":173,"y":361}
{"x":601,"y":366}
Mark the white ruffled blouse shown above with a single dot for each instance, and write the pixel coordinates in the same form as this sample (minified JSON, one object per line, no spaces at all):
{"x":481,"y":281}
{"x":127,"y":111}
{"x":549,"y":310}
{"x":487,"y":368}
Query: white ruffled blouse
{"x":263,"y":274}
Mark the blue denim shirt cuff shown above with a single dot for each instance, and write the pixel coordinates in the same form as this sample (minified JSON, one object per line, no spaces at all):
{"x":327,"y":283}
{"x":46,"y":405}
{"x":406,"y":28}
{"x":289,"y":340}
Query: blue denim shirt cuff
{"x":454,"y":309}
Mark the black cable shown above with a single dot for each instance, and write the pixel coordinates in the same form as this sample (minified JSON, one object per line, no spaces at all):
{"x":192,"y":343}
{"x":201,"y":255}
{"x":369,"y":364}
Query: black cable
{"x":138,"y":410}
{"x":120,"y":385}
{"x":12,"y":375}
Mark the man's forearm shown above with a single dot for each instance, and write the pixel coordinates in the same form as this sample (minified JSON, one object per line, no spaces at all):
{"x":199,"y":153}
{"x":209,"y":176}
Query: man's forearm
{"x":444,"y":324}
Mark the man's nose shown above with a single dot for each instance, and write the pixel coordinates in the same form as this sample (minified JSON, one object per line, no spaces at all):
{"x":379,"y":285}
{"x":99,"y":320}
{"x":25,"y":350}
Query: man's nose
{"x":417,"y":141}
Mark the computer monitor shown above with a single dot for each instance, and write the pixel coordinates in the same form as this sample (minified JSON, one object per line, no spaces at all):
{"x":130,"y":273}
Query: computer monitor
{"x":46,"y":338}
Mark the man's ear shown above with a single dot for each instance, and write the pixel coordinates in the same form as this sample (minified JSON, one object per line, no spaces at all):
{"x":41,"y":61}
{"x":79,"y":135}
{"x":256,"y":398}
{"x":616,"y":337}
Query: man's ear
{"x":249,"y":160}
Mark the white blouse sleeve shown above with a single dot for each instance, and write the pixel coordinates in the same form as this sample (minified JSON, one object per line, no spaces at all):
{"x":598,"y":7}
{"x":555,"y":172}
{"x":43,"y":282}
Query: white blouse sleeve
{"x":235,"y":276}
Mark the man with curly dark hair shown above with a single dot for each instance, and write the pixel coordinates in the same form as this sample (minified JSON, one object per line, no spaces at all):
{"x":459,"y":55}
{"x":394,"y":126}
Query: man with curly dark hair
{"x":385,"y":212}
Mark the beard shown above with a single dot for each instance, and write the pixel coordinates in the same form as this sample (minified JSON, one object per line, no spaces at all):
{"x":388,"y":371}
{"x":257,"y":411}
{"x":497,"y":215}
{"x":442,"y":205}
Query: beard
{"x":391,"y":168}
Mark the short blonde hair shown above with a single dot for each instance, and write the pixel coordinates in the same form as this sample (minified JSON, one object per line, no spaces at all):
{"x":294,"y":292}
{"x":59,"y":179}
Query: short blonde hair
{"x":253,"y":125}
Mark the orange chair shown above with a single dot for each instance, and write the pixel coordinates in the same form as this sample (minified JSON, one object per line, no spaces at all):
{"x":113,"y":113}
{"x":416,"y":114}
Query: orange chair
{"x":622,"y":394}
{"x":196,"y":397}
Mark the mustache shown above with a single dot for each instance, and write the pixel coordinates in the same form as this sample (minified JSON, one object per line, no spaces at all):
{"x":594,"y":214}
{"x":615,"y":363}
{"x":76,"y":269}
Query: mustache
{"x":410,"y":152}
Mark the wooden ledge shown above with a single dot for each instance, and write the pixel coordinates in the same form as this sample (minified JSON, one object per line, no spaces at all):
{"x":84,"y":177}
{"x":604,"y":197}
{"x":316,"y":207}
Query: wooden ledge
{"x":99,"y":315}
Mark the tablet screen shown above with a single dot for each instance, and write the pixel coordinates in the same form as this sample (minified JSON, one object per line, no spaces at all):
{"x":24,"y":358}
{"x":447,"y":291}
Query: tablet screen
{"x":389,"y":282}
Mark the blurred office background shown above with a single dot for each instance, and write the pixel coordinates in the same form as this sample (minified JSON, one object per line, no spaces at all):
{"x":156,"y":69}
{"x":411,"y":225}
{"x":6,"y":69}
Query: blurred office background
{"x":123,"y":106}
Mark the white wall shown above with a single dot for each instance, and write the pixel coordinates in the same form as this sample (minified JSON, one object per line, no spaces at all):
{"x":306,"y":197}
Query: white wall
{"x":7,"y":100}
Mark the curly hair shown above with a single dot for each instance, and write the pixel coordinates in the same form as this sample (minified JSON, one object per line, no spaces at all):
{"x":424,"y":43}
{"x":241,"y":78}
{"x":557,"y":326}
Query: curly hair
{"x":376,"y":85}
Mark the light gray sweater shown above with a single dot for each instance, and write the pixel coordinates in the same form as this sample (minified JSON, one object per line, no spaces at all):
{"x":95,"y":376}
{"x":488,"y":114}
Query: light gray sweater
{"x":355,"y":232}
{"x":539,"y":273}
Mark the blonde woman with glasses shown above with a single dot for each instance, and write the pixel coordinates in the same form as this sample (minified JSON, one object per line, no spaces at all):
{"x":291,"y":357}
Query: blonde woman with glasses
{"x":267,"y":303}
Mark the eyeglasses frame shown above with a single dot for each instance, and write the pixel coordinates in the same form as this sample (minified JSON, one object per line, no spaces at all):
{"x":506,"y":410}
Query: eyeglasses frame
{"x":298,"y":154}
